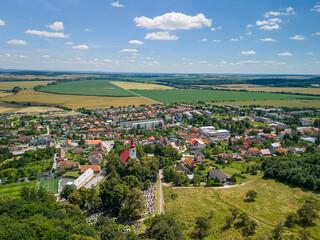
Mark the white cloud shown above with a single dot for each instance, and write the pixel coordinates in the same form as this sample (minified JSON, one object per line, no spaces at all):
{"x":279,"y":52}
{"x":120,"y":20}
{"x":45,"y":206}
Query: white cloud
{"x":116,"y":4}
{"x":108,"y":60}
{"x":46,"y":34}
{"x":204,"y":40}
{"x":135,"y":42}
{"x":87,"y":30}
{"x":316,"y":8}
{"x":2,"y":23}
{"x":234,"y":39}
{"x":223,"y":62}
{"x":81,"y":47}
{"x":316,"y":33}
{"x":173,"y":21}
{"x":249,"y":25}
{"x":251,"y":52}
{"x":17,"y":42}
{"x":219,"y":28}
{"x":56,"y":26}
{"x":271,"y":21}
{"x":22,"y":56}
{"x":216,"y":41}
{"x":267,"y":40}
{"x":130,"y":50}
{"x":281,"y":12}
{"x":298,"y":37}
{"x":45,"y":56}
{"x":310,"y":53}
{"x":270,"y":27}
{"x":213,"y":29}
{"x":285,"y":54}
{"x":161,"y":36}
{"x":70,"y":43}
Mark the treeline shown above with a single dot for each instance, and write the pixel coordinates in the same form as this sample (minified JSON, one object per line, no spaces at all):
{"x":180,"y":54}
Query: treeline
{"x":301,"y":171}
{"x":5,"y":154}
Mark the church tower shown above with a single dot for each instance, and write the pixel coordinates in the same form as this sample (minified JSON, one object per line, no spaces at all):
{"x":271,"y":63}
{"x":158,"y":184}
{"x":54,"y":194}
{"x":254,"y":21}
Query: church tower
{"x":132,"y":150}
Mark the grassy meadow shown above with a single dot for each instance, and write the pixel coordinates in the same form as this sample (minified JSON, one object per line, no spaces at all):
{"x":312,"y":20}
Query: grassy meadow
{"x":193,"y":96}
{"x":73,"y":101}
{"x":13,"y":190}
{"x":89,"y":88}
{"x":141,"y":86}
{"x":275,"y":201}
{"x":22,"y":84}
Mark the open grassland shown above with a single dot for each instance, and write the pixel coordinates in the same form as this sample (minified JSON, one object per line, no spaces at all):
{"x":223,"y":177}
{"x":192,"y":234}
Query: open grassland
{"x":22,"y":84}
{"x":275,"y":201}
{"x":14,"y":189}
{"x":254,"y":88}
{"x":74,"y":101}
{"x":193,"y":96}
{"x":89,"y":88}
{"x":141,"y":86}
{"x":50,"y":185}
{"x":276,"y":103}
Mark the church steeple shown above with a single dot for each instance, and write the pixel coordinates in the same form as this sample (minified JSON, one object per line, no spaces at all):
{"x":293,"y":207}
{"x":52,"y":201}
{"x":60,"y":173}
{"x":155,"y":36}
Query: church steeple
{"x":132,"y":150}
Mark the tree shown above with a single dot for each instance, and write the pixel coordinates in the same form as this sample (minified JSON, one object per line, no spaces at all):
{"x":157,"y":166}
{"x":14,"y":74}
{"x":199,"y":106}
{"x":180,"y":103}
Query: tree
{"x":251,"y":195}
{"x":307,"y":214}
{"x":202,"y":226}
{"x":134,"y":204}
{"x":66,"y":191}
{"x":304,"y":234}
{"x":277,"y":232}
{"x":164,"y":227}
{"x":292,"y":218}
{"x":16,"y":89}
{"x":79,"y":197}
{"x":108,"y":229}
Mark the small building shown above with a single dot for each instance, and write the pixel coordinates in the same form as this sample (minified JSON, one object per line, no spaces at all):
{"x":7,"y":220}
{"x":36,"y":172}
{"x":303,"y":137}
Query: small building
{"x":220,"y":176}
{"x":83,"y":179}
{"x":198,"y":157}
{"x":95,"y":168}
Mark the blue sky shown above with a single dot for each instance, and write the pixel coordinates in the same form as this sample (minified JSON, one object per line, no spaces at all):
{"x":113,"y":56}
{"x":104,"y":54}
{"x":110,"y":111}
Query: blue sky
{"x":176,"y":36}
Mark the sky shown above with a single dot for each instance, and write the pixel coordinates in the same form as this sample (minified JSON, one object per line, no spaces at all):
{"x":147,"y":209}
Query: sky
{"x":161,"y":36}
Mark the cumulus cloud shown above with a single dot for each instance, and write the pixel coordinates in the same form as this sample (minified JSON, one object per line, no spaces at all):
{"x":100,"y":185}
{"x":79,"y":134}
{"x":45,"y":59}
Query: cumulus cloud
{"x":285,"y":54}
{"x":216,"y":40}
{"x":46,"y":34}
{"x":81,"y":47}
{"x":316,"y":8}
{"x":281,"y":12}
{"x":204,"y":40}
{"x":116,"y":4}
{"x":70,"y":43}
{"x":297,"y":37}
{"x":56,"y":26}
{"x":2,"y":23}
{"x":108,"y":60}
{"x":249,"y":25}
{"x":251,"y":52}
{"x":45,"y":56}
{"x":130,"y":50}
{"x":173,"y":21}
{"x":271,"y":21}
{"x":267,"y":40}
{"x":234,"y":39}
{"x":316,"y":33}
{"x":17,"y":42}
{"x":161,"y":36}
{"x":270,"y":27}
{"x":135,"y":42}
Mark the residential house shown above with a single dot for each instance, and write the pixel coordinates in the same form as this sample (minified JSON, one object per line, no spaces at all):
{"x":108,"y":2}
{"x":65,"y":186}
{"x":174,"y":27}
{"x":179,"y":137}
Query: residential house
{"x":95,"y":168}
{"x":220,"y":176}
{"x":198,"y":157}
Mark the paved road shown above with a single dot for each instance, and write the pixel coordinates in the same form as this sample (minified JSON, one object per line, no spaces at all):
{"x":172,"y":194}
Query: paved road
{"x":161,"y":192}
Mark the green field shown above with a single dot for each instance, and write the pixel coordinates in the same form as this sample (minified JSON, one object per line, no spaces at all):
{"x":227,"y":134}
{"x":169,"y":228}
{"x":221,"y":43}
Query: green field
{"x":51,"y":185}
{"x":14,"y":189}
{"x":193,"y":96}
{"x":275,"y":201}
{"x":89,"y":88}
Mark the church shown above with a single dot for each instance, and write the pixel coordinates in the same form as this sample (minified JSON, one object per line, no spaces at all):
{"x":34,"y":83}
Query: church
{"x":131,"y":153}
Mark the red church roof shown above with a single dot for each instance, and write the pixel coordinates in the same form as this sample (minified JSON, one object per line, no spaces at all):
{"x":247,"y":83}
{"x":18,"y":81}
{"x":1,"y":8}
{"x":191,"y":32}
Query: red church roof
{"x":125,"y":155}
{"x":132,"y":144}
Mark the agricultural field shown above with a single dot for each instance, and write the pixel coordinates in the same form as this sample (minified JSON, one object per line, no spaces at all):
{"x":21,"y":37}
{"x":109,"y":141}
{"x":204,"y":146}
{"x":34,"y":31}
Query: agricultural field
{"x":5,"y":94}
{"x":51,"y":185}
{"x":8,"y":107}
{"x":88,"y":88}
{"x":141,"y":86}
{"x":14,"y":108}
{"x":275,"y":201}
{"x":74,"y":101}
{"x":276,"y":103}
{"x":22,"y":84}
{"x":255,"y":88}
{"x":194,"y":96}
{"x":13,"y":190}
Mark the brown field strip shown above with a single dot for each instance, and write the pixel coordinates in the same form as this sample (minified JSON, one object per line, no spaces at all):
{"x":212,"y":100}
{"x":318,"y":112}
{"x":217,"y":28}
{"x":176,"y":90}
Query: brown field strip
{"x":141,"y":86}
{"x":74,"y":101}
{"x":22,"y":84}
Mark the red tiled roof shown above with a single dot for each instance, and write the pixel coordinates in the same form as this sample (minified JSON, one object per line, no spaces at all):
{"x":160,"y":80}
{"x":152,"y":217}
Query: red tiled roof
{"x":125,"y":155}
{"x":94,"y":168}
{"x":93,"y":142}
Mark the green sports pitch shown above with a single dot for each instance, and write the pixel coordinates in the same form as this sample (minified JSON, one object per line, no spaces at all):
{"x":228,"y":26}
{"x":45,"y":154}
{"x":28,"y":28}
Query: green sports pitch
{"x":51,"y":185}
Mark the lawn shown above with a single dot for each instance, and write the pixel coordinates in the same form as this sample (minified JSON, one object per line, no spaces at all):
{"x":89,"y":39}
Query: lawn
{"x":275,"y":200}
{"x":194,"y":96}
{"x":51,"y":185}
{"x":14,"y":189}
{"x":72,"y":101}
{"x":89,"y":88}
{"x":72,"y":174}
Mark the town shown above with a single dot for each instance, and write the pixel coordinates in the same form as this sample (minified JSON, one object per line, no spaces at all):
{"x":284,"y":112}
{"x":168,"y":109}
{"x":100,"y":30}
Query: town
{"x":115,"y":162}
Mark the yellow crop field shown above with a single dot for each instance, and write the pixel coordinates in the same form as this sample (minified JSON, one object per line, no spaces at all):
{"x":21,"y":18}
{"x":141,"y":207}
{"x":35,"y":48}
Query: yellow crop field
{"x":276,"y":103}
{"x":8,"y":108}
{"x":5,"y":94}
{"x":141,"y":86}
{"x":255,"y":88}
{"x":22,"y":84}
{"x":74,"y":101}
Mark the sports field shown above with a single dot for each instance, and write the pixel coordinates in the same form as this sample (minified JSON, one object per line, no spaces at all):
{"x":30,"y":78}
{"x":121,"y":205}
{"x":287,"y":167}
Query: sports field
{"x":141,"y":86}
{"x":51,"y":185}
{"x":193,"y":96}
{"x":22,"y":84}
{"x":88,"y":88}
{"x":74,"y":101}
{"x":274,"y":202}
{"x":14,"y":189}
